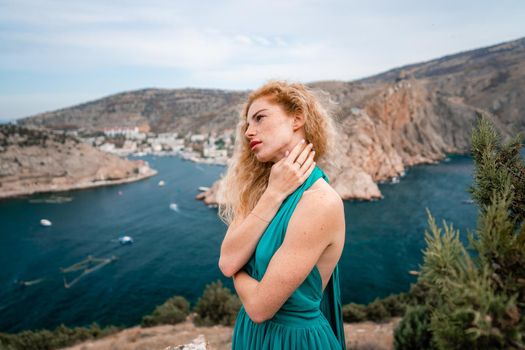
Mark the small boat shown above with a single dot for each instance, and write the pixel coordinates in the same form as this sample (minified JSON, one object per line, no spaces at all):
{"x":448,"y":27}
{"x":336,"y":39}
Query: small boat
{"x":414,"y":273}
{"x":125,"y":240}
{"x":203,"y":188}
{"x":28,"y":283}
{"x":161,"y":183}
{"x":467,"y":201}
{"x":174,"y":207}
{"x":52,"y":200}
{"x":45,"y":222}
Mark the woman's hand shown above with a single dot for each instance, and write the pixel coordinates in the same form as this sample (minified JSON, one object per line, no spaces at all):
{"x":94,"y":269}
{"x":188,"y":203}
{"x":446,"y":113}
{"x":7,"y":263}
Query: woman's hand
{"x":288,"y":174}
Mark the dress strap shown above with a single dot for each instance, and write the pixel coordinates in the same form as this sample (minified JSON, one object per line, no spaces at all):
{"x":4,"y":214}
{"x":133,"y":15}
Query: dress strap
{"x":331,"y":307}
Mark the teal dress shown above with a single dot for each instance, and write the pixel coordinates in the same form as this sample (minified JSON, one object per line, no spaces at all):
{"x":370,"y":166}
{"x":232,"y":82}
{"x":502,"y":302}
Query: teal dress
{"x":310,"y":318}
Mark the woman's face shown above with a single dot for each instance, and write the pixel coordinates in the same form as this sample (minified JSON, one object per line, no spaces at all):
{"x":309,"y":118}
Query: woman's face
{"x":276,"y":132}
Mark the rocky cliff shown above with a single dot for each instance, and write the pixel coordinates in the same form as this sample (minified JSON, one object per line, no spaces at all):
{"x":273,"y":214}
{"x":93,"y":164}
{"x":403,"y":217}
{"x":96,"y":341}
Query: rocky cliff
{"x":406,"y":116}
{"x":33,"y":160}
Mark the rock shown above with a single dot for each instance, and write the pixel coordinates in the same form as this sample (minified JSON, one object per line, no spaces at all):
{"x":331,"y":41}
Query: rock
{"x":198,"y":343}
{"x":38,"y":160}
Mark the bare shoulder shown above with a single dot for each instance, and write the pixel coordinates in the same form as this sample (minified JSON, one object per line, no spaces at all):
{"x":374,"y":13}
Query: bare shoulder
{"x":320,"y":205}
{"x":321,"y":192}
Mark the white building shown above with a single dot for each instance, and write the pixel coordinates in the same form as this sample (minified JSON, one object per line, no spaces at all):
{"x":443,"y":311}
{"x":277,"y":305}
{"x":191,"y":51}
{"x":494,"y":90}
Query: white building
{"x":107,"y":147}
{"x":197,"y":138}
{"x":126,"y":131}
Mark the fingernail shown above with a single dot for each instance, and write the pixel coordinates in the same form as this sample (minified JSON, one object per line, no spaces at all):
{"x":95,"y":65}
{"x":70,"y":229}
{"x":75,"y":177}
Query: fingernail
{"x":302,"y":141}
{"x":286,"y":153}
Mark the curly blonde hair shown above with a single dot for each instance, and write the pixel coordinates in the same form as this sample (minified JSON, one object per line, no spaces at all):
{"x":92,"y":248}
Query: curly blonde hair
{"x":246,"y":177}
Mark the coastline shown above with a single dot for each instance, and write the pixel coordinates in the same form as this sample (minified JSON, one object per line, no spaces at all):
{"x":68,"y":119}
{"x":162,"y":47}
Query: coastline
{"x":77,"y":186}
{"x":149,"y":172}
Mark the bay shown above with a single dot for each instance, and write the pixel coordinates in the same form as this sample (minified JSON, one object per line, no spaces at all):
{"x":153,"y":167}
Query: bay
{"x":176,"y":247}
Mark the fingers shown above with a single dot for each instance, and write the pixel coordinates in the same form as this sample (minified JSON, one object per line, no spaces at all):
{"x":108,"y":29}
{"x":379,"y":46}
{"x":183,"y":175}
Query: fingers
{"x":308,"y":172}
{"x":304,"y":154}
{"x":295,"y":152}
{"x":306,"y":164}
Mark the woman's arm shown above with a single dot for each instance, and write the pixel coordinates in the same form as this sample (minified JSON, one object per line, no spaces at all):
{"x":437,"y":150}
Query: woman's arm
{"x":311,"y":229}
{"x":239,"y":242}
{"x":244,"y":233}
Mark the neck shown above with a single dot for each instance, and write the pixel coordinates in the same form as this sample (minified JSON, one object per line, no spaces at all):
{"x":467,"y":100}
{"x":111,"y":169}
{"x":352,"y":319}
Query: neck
{"x":281,"y":153}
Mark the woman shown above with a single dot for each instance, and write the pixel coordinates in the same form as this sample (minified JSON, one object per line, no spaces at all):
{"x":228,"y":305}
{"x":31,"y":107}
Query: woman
{"x":286,"y":224}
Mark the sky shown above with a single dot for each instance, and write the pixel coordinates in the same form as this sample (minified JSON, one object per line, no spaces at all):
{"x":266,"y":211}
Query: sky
{"x":56,"y":54}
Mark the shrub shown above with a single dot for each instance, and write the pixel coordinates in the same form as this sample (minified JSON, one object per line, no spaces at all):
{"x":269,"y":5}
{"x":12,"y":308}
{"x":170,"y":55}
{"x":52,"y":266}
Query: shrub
{"x":376,"y":311}
{"x":395,"y":304}
{"x":216,"y":306}
{"x":61,"y":336}
{"x":173,"y":311}
{"x":413,"y":333}
{"x":354,"y":313}
{"x":477,"y":302}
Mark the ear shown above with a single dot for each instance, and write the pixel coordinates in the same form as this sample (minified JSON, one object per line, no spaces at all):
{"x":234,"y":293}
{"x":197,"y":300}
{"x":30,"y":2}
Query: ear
{"x":298,"y":121}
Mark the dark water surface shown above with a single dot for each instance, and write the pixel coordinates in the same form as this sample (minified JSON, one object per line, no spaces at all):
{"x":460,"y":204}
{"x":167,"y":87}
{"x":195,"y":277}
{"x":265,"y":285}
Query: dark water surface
{"x":176,"y":252}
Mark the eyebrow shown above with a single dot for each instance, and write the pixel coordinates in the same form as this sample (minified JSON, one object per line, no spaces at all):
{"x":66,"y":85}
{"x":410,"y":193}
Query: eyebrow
{"x":259,"y":111}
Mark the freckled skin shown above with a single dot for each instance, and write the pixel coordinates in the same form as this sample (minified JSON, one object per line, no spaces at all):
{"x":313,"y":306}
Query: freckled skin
{"x":269,"y":123}
{"x":277,"y":131}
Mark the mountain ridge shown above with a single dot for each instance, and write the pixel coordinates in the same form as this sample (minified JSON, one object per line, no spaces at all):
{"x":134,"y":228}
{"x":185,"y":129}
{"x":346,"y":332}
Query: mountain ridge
{"x":408,"y":115}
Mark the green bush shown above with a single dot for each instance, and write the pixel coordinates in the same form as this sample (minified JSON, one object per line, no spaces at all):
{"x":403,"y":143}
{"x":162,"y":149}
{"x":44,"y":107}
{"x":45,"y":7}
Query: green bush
{"x":476,"y":302}
{"x":354,"y":313}
{"x":413,"y":333}
{"x":174,"y":310}
{"x":395,"y":304}
{"x":217,"y":305}
{"x":376,"y":311}
{"x":61,"y":336}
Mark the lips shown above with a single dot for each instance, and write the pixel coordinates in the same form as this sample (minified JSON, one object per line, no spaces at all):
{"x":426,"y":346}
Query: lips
{"x":254,"y":143}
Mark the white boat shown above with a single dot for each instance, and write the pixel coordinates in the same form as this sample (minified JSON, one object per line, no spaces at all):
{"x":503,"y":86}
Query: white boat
{"x":174,"y":207}
{"x":203,"y":188}
{"x":52,"y":200}
{"x":45,"y":222}
{"x":125,"y":240}
{"x":161,"y":183}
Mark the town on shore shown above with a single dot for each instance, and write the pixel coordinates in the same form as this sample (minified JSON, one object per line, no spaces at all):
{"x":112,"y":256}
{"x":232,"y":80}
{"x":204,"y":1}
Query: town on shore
{"x":211,"y":148}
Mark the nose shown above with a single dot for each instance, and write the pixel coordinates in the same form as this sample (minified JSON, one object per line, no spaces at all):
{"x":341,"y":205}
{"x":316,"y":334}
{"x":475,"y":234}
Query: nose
{"x":249,"y":131}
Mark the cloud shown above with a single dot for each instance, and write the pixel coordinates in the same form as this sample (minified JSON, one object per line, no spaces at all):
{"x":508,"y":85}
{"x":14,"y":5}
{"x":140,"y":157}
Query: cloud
{"x":232,"y":43}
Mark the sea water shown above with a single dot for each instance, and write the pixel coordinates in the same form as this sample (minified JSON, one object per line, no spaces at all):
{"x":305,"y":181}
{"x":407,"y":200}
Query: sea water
{"x":176,"y":252}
